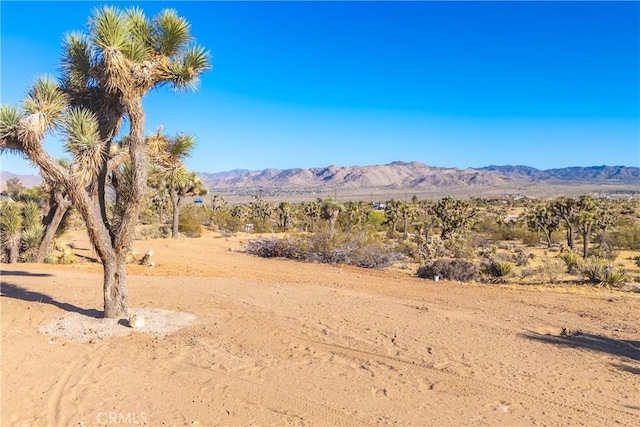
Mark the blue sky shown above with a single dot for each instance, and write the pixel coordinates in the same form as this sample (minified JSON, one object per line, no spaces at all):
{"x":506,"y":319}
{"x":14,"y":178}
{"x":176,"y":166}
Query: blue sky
{"x":311,"y":84}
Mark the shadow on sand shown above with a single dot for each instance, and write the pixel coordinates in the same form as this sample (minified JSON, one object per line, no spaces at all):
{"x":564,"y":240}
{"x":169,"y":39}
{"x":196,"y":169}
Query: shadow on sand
{"x":25,"y":273}
{"x":599,"y":343}
{"x":9,"y":290}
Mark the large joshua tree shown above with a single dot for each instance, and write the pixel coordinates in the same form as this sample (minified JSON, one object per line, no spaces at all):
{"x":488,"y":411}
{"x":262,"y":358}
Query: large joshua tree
{"x":105,"y":75}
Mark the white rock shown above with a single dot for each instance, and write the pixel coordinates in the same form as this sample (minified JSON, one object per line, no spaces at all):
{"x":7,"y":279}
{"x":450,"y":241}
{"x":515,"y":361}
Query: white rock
{"x":136,"y":320}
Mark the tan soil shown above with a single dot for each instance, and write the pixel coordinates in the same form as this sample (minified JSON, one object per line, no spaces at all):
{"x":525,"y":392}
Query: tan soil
{"x":277,"y":342}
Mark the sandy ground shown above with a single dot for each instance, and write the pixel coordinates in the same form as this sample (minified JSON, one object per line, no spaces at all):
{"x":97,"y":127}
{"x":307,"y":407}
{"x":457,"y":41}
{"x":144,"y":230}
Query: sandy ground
{"x":276,"y":342}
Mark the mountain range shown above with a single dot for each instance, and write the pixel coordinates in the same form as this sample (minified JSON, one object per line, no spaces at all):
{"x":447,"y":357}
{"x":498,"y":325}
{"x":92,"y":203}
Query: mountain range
{"x":415,"y":177}
{"x":420,"y":178}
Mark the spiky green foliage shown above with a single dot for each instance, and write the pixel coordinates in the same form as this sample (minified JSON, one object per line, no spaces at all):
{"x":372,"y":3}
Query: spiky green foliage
{"x":31,"y":238}
{"x":76,"y":64}
{"x":9,"y":120}
{"x":614,"y":277}
{"x":32,"y":214}
{"x":83,"y":141}
{"x":184,"y":74}
{"x":597,"y":271}
{"x":108,"y":28}
{"x":500,"y":270}
{"x":11,"y":228}
{"x":46,"y":98}
{"x":572,"y":260}
{"x":43,"y":109}
{"x":172,"y":32}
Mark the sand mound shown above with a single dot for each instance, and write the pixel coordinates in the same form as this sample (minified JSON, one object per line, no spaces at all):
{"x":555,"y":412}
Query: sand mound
{"x":80,"y":328}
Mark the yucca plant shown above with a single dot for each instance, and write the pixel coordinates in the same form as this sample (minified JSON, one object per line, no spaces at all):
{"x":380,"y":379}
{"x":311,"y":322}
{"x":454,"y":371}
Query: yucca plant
{"x":11,"y":229}
{"x":500,"y":270}
{"x":593,"y":270}
{"x":614,"y":277}
{"x":572,"y":260}
{"x":31,"y":238}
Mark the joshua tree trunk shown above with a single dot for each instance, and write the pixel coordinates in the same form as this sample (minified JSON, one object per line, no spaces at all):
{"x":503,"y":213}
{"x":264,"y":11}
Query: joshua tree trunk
{"x":52,"y":221}
{"x":115,"y":285}
{"x":13,"y":250}
{"x":585,"y":231}
{"x":176,"y":200}
{"x":570,"y":235}
{"x":406,"y":226}
{"x":332,"y":222}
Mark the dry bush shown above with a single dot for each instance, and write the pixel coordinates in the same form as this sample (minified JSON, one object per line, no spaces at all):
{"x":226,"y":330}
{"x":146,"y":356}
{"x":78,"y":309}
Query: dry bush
{"x":147,"y":232}
{"x":550,"y":271}
{"x":291,"y":248}
{"x":450,"y":269}
{"x":191,"y":220}
{"x":361,"y":252}
{"x":520,"y":257}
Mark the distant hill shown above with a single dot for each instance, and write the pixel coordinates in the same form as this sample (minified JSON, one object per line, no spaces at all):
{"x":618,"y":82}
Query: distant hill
{"x":411,"y":177}
{"x":418,"y":178}
{"x":27,"y":180}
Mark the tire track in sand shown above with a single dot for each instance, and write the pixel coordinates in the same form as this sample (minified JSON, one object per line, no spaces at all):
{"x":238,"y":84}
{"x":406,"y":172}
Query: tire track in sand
{"x":275,"y":399}
{"x":65,"y":384}
{"x":460,"y":384}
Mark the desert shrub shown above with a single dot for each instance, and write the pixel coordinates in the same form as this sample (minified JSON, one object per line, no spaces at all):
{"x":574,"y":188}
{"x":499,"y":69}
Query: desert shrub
{"x":637,"y":260}
{"x":530,"y":238}
{"x":434,"y":248}
{"x":450,"y":269}
{"x":376,"y":220}
{"x":31,"y":238}
{"x":528,"y":272}
{"x":614,"y":277}
{"x":550,"y":271}
{"x":520,"y":258}
{"x":458,"y":246}
{"x":376,"y":256}
{"x":292,"y":248}
{"x":626,"y":237}
{"x":191,"y":220}
{"x":605,"y":251}
{"x":499,"y":270}
{"x":223,"y":220}
{"x":571,"y":260}
{"x":595,"y":270}
{"x":488,"y":252}
{"x":358,"y":250}
{"x":409,"y":249}
{"x":149,"y":215}
{"x":146,"y":232}
{"x":67,"y":256}
{"x":592,"y":270}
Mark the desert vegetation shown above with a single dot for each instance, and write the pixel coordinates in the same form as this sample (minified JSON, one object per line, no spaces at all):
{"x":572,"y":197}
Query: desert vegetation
{"x":517,"y":240}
